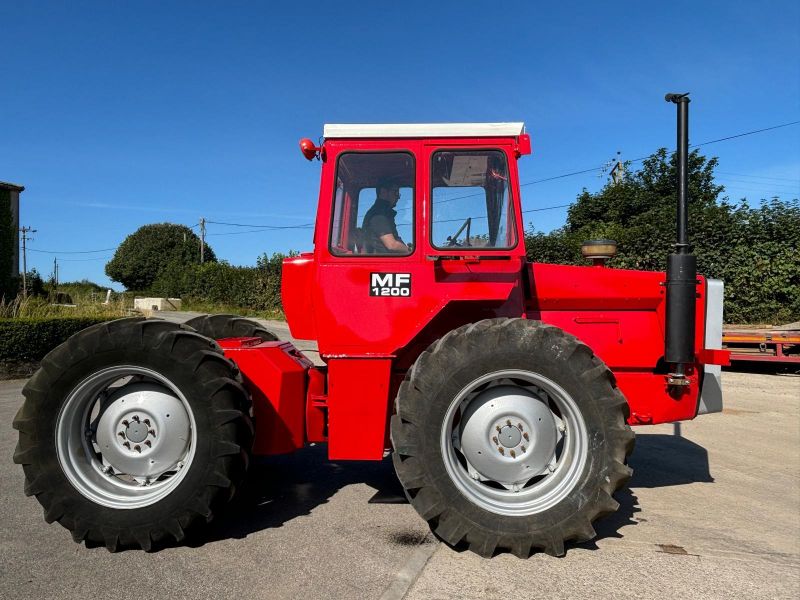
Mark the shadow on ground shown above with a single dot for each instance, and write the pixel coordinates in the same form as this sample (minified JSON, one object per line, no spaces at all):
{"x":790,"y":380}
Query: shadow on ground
{"x":659,"y":460}
{"x":283,"y":488}
{"x":765,"y":368}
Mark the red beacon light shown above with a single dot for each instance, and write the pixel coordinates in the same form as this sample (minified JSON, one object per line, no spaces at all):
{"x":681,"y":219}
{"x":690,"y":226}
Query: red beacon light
{"x":309,"y":150}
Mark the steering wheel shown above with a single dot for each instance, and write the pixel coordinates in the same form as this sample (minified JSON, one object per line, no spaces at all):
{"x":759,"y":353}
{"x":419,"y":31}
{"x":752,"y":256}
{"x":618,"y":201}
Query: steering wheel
{"x":452,"y":241}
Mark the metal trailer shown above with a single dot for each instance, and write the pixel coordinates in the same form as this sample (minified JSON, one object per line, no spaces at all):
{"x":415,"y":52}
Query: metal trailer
{"x":763,"y":345}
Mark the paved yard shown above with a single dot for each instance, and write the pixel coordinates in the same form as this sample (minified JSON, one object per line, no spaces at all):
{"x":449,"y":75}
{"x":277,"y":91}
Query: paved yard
{"x":713,"y":511}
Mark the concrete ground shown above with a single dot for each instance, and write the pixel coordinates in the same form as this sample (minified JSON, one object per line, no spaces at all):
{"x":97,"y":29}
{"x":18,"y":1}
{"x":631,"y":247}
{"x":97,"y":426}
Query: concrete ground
{"x":712,"y":511}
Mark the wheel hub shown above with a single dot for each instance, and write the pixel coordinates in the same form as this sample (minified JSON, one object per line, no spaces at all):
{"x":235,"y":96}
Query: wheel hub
{"x":143,"y":430}
{"x":136,"y":432}
{"x":508,"y":434}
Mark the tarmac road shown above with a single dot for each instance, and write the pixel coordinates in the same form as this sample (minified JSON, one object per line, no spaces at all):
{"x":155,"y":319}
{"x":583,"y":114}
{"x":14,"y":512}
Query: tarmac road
{"x":713,"y":511}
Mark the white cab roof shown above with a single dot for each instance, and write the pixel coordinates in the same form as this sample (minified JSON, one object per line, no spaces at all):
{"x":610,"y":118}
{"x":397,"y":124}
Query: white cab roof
{"x":422,"y":130}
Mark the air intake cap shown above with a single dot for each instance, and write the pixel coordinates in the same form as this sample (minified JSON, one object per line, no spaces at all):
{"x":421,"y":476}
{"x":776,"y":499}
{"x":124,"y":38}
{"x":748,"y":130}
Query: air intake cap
{"x":599,"y":251}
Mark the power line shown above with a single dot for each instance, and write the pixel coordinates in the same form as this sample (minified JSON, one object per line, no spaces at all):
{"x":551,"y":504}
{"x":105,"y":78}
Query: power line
{"x":72,"y":251}
{"x":641,"y":158}
{"x":260,"y":228}
{"x":303,"y":226}
{"x":600,"y":168}
{"x":730,"y":137}
{"x":530,"y":210}
{"x":243,"y":232}
{"x":770,"y":193}
{"x":84,"y":259}
{"x":546,"y":208}
{"x":766,"y":183}
{"x":738,"y":135}
{"x":796,"y":181}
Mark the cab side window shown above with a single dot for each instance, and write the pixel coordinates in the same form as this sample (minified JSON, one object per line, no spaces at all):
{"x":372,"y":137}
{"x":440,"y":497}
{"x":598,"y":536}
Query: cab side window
{"x":373,"y":204}
{"x":471,"y":200}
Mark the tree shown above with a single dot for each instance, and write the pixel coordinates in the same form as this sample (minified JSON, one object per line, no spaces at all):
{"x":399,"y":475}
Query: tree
{"x":754,"y":250}
{"x":150,"y":249}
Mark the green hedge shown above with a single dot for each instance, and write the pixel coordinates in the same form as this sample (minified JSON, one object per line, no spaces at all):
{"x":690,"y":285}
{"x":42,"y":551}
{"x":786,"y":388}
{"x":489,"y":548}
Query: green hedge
{"x":31,"y":339}
{"x":256,"y":288}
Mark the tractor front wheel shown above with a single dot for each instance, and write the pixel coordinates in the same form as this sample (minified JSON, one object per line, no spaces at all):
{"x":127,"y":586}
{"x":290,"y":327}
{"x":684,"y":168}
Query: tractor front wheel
{"x":510,"y":434}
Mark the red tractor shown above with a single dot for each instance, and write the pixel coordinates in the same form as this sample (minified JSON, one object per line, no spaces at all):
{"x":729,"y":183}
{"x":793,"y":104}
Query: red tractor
{"x":504,"y":389}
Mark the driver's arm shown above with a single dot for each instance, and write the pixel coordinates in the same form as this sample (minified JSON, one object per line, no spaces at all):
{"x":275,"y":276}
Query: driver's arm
{"x":384,"y":229}
{"x":392,"y":244}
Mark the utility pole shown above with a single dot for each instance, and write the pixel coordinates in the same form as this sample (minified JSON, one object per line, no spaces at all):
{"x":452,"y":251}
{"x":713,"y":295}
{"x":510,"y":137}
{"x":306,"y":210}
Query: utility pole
{"x":55,"y":274}
{"x":618,"y":171}
{"x":25,"y":231}
{"x":202,"y":240}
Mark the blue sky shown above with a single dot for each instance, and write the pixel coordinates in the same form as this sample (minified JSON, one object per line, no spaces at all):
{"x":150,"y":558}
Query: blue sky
{"x":118,"y":114}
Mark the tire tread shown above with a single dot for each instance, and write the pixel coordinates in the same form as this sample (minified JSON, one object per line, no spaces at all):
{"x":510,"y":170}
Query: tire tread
{"x":414,"y":396}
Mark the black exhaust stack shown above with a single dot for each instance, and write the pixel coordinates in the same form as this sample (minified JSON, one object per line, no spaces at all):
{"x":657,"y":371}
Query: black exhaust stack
{"x":681,"y":264}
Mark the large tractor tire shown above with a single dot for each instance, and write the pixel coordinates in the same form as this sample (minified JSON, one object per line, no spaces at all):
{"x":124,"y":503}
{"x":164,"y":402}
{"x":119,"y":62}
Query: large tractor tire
{"x":510,"y":435}
{"x":218,"y":327}
{"x":132,"y":432}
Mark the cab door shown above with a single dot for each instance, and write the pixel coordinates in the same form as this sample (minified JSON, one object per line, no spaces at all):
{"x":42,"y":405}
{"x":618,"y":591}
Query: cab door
{"x":474,"y":233}
{"x":369,"y":299}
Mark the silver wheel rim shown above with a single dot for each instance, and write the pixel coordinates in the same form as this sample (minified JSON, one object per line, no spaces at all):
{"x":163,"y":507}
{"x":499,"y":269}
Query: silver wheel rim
{"x":125,"y":437}
{"x":514,"y":442}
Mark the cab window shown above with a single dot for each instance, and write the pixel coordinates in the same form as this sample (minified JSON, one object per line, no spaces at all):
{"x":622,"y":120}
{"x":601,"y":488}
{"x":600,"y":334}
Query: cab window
{"x":373,"y":205}
{"x":471,"y":200}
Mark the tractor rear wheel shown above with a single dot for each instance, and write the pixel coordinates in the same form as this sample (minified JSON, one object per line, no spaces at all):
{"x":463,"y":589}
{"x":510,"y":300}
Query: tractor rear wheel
{"x":218,"y":327}
{"x":510,"y":435}
{"x":133,"y":431}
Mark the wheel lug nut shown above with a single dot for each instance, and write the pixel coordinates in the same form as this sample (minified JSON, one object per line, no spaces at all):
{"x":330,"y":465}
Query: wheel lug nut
{"x":138,"y":448}
{"x":502,"y":451}
{"x":522,"y":448}
{"x":497,"y":427}
{"x":525,"y":435}
{"x":519,"y":426}
{"x":148,"y":443}
{"x":121,"y":434}
{"x":136,"y":418}
{"x":494,"y":439}
{"x":146,"y":422}
{"x":513,"y":454}
{"x":508,"y":422}
{"x":127,"y":445}
{"x":125,"y":422}
{"x":152,"y":432}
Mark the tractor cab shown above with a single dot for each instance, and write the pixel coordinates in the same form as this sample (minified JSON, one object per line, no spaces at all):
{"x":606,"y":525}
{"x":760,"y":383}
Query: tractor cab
{"x":413,"y":220}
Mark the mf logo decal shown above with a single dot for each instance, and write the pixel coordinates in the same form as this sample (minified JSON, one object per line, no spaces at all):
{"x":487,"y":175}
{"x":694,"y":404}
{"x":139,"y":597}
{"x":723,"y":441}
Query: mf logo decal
{"x":390,"y":284}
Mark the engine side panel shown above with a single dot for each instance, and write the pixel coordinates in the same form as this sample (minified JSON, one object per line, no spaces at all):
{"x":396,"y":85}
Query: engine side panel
{"x":620,"y":315}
